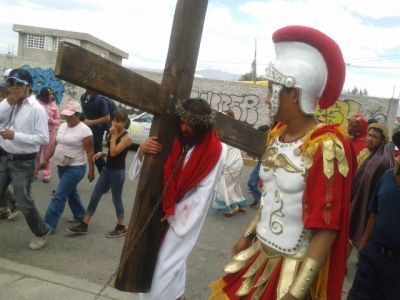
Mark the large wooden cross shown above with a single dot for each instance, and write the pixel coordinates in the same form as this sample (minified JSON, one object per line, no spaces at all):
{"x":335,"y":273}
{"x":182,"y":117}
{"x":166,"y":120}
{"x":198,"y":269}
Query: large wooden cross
{"x":83,"y":68}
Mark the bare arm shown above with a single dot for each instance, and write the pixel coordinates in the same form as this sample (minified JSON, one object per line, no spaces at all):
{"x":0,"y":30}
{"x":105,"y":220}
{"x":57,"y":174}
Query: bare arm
{"x":88,"y":145}
{"x":115,"y":149}
{"x":48,"y":157}
{"x":51,"y":152}
{"x":320,"y":246}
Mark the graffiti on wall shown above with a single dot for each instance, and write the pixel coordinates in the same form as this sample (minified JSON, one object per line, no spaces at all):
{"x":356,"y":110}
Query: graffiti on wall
{"x":342,"y":110}
{"x":339,"y":112}
{"x":71,"y":90}
{"x":46,"y":78}
{"x":377,"y":113}
{"x":245,"y":107}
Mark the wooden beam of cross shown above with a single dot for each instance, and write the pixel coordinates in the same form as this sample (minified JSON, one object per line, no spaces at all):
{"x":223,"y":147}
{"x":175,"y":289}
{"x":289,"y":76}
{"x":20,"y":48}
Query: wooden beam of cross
{"x":83,"y":68}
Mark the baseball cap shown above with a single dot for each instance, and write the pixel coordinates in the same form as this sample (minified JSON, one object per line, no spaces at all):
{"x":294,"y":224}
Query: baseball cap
{"x":71,"y":108}
{"x":20,"y":75}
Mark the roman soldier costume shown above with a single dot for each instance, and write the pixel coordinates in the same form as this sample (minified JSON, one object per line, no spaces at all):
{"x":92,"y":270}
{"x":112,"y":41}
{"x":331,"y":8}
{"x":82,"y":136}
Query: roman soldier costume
{"x":306,"y":183}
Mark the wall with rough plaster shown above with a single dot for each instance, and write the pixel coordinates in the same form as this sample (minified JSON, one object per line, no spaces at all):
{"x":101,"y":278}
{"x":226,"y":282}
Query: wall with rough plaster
{"x":247,"y":101}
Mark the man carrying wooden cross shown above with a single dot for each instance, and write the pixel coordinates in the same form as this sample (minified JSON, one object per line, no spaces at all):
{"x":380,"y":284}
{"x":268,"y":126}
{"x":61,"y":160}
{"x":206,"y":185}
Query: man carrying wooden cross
{"x":191,"y":172}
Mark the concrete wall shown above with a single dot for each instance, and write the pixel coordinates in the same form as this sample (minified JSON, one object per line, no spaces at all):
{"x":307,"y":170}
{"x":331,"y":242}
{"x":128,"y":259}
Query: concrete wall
{"x":101,"y":52}
{"x":246,"y":100}
{"x":33,"y":53}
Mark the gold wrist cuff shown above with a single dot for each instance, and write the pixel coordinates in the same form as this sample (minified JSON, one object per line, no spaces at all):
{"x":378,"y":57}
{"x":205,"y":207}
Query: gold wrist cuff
{"x":302,"y":283}
{"x":253,"y":225}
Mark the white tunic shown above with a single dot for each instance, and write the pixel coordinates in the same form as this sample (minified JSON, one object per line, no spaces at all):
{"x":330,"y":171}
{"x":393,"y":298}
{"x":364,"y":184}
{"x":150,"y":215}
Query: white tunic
{"x":229,"y":192}
{"x":170,"y":272}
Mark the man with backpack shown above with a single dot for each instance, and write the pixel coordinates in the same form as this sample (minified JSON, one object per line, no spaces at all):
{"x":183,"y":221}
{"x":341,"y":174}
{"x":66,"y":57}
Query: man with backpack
{"x":97,"y":110}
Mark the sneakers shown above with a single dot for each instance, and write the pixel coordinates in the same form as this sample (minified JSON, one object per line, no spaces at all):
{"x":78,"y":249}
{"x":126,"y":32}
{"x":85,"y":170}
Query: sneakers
{"x":39,"y":242}
{"x":13,"y":214}
{"x":73,"y":220}
{"x":81,"y":229}
{"x":117,"y":232}
{"x":4,"y":212}
{"x":254,"y":204}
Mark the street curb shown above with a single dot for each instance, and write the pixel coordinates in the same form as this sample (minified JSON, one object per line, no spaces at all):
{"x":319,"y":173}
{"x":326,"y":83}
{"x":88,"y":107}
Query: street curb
{"x":65,"y":280}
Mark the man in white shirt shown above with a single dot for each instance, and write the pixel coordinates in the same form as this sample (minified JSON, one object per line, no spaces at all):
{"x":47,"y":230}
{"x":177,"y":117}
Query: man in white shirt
{"x":23,"y":128}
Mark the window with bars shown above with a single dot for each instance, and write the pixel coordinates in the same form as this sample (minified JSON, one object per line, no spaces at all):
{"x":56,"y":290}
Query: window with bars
{"x":56,"y":42}
{"x":36,"y":41}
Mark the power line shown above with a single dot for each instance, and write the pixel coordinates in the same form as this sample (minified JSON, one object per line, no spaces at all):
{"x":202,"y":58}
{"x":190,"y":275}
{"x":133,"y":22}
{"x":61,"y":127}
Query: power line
{"x":373,"y":67}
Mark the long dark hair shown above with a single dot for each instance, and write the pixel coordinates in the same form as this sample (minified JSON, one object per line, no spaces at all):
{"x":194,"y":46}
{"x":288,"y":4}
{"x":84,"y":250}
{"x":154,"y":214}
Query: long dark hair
{"x":121,"y":116}
{"x":195,"y":107}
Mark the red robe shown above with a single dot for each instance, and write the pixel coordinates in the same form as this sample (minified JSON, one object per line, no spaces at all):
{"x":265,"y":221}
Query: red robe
{"x":325,"y":206}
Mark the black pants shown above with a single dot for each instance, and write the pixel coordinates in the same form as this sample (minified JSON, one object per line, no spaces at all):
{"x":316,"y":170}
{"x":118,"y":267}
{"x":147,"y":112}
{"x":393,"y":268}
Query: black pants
{"x":377,"y":277}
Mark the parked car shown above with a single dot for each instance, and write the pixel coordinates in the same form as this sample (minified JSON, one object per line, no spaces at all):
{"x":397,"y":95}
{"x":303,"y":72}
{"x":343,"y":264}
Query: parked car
{"x":140,"y":127}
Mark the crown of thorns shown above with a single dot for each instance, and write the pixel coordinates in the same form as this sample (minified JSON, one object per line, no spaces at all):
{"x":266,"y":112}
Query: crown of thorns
{"x":192,"y":118}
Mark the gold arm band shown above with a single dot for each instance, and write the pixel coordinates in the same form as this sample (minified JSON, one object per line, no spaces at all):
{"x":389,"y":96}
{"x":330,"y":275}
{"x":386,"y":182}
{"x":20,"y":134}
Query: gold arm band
{"x":251,"y":230}
{"x":304,"y":279}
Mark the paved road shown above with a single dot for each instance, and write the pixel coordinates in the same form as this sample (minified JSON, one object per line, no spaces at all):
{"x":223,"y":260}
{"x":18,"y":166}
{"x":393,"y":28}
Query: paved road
{"x":94,"y":258}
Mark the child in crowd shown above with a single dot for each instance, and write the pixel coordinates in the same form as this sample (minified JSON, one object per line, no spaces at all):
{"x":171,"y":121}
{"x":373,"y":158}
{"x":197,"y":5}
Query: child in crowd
{"x":118,"y":143}
{"x":46,"y":97}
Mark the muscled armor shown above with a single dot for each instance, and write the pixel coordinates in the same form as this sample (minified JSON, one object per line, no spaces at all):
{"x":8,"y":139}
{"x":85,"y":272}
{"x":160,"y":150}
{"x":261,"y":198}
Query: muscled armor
{"x":282,"y":171}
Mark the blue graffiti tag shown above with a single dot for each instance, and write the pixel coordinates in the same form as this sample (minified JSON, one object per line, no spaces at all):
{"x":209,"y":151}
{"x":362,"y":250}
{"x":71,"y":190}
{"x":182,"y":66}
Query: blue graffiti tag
{"x":46,"y":78}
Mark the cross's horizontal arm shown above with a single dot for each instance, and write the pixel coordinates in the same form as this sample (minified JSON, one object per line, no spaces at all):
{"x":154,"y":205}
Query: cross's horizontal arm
{"x":240,"y":135}
{"x":86,"y":69}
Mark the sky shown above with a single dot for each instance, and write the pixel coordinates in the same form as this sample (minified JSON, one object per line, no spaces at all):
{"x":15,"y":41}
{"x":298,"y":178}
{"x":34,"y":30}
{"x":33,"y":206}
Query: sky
{"x":368,"y":32}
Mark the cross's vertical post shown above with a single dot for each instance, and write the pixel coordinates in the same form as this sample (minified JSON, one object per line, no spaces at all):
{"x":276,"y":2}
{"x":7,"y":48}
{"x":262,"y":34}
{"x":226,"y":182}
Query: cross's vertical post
{"x":138,"y":260}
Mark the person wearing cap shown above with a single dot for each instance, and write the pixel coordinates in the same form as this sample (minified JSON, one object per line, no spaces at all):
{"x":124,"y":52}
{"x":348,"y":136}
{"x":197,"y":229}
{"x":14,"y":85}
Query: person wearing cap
{"x":97,"y":114}
{"x":71,"y":152}
{"x":46,"y":97}
{"x":378,"y":268}
{"x":372,"y":162}
{"x":23,"y":130}
{"x":295,"y":247}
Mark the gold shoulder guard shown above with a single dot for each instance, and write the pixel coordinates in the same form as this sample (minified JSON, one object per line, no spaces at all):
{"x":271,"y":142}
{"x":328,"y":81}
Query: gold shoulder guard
{"x":332,"y":148}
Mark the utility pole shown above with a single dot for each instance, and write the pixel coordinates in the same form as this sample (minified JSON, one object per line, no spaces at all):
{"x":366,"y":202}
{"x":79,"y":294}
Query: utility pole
{"x":254,"y":64}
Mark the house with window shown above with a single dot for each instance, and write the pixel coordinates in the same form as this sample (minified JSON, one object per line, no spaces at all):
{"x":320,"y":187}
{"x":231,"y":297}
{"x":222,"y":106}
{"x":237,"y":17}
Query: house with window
{"x":37,"y":43}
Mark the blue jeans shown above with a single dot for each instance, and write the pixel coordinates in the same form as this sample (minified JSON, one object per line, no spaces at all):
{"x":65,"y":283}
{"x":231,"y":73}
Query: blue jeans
{"x":377,"y":277}
{"x":20,"y":174}
{"x":116,"y":179}
{"x":70,"y":176}
{"x":253,"y":183}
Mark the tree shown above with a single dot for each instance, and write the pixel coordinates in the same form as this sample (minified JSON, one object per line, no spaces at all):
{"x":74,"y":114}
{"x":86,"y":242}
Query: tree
{"x":249,"y":77}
